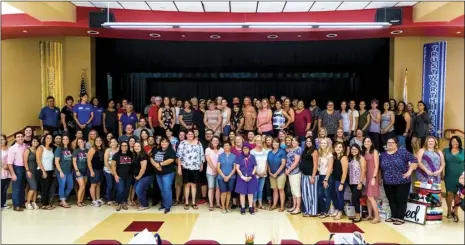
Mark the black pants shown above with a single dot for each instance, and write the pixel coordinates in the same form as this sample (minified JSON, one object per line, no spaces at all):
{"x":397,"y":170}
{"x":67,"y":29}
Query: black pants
{"x":159,"y":131}
{"x":85,"y":132}
{"x":375,"y":137}
{"x":113,"y":131}
{"x":397,"y":196}
{"x":408,"y":144}
{"x":355,"y":198}
{"x":176,"y":130}
{"x":5,"y":184}
{"x":45,"y":187}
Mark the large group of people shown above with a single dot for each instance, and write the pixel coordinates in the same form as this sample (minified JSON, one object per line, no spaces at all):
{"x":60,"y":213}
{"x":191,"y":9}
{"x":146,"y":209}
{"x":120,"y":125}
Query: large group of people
{"x":268,"y":153}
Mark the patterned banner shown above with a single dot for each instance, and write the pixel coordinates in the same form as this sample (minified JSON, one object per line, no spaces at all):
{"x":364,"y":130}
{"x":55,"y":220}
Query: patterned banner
{"x":434,"y":84}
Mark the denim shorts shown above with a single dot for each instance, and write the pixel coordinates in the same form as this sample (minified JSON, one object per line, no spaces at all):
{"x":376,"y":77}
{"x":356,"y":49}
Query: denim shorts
{"x":227,"y":186}
{"x":83,"y":172}
{"x":212,"y":181}
{"x":97,"y":177}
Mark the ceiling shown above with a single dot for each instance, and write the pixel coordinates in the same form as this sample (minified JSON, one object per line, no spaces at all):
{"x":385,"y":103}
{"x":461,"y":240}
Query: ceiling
{"x":244,"y":6}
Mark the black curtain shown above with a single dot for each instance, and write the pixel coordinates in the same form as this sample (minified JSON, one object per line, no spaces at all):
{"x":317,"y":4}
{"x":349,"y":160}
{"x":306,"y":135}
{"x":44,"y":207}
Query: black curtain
{"x":340,"y":69}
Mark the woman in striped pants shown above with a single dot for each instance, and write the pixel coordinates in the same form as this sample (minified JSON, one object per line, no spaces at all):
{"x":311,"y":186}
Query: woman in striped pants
{"x":309,"y":169}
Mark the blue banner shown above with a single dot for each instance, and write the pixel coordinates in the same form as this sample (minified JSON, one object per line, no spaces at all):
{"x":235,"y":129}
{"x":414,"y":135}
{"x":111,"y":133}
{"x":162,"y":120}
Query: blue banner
{"x":434,"y":84}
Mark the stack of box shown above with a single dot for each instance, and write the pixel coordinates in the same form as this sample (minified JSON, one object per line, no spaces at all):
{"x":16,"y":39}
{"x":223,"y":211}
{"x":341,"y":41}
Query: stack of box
{"x":426,"y":191}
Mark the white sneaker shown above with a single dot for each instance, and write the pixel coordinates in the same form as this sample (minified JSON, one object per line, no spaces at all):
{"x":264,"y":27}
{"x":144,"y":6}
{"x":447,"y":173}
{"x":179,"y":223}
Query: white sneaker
{"x":6,"y":207}
{"x":34,"y":205}
{"x":95,"y":204}
{"x":101,"y":201}
{"x":29,"y":206}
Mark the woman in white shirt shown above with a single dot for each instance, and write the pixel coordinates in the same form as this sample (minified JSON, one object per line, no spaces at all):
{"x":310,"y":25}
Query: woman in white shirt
{"x":45,"y":161}
{"x":211,"y":155}
{"x":325,"y":182}
{"x":261,"y":156}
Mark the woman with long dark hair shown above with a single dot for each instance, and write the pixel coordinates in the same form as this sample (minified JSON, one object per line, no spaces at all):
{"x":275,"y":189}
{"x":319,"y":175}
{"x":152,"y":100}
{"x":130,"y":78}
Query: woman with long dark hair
{"x":371,"y":156}
{"x":163,"y":160}
{"x":346,"y":119}
{"x":97,"y":120}
{"x":289,"y":126}
{"x":64,"y":165}
{"x":357,"y":175}
{"x":95,"y":164}
{"x":45,"y":162}
{"x":309,"y":169}
{"x":293,"y":172}
{"x":121,"y":166}
{"x":186,"y":116}
{"x":110,"y":119}
{"x":420,"y":127}
{"x":30,"y":165}
{"x":454,"y":157}
{"x":80,"y":170}
{"x":339,"y":175}
{"x":387,"y":124}
{"x":211,"y":155}
{"x":166,"y":115}
{"x":67,"y":119}
{"x":142,"y":171}
{"x":402,"y":123}
{"x":393,"y":105}
{"x":107,"y":172}
{"x":237,"y":119}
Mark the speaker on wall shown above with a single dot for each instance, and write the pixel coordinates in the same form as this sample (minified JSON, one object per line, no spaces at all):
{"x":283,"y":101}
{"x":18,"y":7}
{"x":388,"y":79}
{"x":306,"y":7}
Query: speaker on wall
{"x":96,"y":19}
{"x":391,"y":15}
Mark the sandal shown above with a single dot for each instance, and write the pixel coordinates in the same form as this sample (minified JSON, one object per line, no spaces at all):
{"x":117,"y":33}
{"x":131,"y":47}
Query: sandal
{"x":210,"y":208}
{"x":455,"y":217}
{"x":281,"y":210}
{"x":305,"y":215}
{"x":65,"y":206}
{"x":375,"y":221}
{"x":390,"y":220}
{"x":272,"y":208}
{"x":83,"y":204}
{"x":323,"y":216}
{"x":79,"y":204}
{"x":290,"y":210}
{"x":368,"y":218}
{"x":175,"y":203}
{"x":357,"y":220}
{"x":296,"y":213}
{"x":195,"y":207}
{"x":186,"y":206}
{"x":261,"y":207}
{"x":399,"y":222}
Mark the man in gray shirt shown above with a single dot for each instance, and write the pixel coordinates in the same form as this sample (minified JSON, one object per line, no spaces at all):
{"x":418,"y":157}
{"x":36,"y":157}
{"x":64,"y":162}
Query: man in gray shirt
{"x":142,"y":125}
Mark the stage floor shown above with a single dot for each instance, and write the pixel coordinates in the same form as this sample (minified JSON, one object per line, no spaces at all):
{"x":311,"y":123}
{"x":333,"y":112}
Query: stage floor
{"x":81,"y":225}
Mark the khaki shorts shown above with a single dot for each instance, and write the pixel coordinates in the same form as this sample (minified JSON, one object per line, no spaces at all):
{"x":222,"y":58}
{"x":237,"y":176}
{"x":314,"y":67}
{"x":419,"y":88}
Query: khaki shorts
{"x":279,"y":182}
{"x":294,"y":181}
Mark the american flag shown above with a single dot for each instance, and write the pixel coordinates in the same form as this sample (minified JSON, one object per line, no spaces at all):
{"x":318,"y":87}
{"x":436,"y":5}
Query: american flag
{"x":83,"y":87}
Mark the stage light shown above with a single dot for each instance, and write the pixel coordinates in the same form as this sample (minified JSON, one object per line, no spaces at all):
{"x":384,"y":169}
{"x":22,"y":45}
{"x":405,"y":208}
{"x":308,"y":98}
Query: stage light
{"x":331,"y":35}
{"x":396,"y":32}
{"x":272,"y":36}
{"x":93,"y":32}
{"x":215,"y":36}
{"x":459,"y":32}
{"x":24,"y":31}
{"x":154,"y":35}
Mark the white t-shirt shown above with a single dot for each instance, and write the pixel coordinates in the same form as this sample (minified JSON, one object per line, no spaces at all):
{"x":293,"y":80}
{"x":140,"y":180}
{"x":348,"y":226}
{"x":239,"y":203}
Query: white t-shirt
{"x":355,"y":116}
{"x":261,"y":157}
{"x":213,"y":158}
{"x":48,"y":159}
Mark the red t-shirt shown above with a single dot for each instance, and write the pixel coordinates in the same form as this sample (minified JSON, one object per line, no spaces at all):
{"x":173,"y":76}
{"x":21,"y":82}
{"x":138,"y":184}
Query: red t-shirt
{"x":301,"y":121}
{"x":153,"y":113}
{"x":121,"y":110}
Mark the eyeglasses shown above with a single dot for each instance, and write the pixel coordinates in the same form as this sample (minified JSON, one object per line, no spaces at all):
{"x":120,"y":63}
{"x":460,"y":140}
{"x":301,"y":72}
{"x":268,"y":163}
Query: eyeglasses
{"x":391,"y":142}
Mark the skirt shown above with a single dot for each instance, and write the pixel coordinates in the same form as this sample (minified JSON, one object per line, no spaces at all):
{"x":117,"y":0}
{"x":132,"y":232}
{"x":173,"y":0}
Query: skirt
{"x":245,"y":188}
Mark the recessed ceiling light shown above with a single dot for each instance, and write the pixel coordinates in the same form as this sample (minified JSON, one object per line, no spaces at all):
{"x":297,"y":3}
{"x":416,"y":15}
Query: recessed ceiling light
{"x":183,"y":35}
{"x":299,"y":36}
{"x":459,"y":32}
{"x":272,"y":36}
{"x":215,"y":36}
{"x":24,"y":31}
{"x":154,"y":35}
{"x":331,"y":35}
{"x":93,"y":32}
{"x":396,"y":32}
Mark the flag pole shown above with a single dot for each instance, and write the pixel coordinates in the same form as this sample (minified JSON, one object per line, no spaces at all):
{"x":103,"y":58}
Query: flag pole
{"x":405,"y":92}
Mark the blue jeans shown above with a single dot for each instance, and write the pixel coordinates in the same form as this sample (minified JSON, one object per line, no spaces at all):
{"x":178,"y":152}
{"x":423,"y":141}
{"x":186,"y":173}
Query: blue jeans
{"x":122,"y":189}
{"x":401,"y":140}
{"x":65,"y":185}
{"x":165,"y":182}
{"x":18,"y":186}
{"x":259,"y":194}
{"x":109,"y":181}
{"x":338,"y":197}
{"x":324,"y":195}
{"x":141,"y":187}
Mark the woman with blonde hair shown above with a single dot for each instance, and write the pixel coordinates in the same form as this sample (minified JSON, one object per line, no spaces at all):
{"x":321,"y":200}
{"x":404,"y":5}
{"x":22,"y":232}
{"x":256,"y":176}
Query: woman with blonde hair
{"x":261,"y":156}
{"x":322,"y":134}
{"x":357,"y":175}
{"x":325,"y":181}
{"x":265,"y":118}
{"x":213,"y":119}
{"x":431,"y":161}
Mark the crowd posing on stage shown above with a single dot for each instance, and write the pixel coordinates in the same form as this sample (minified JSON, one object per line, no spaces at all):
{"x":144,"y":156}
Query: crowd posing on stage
{"x":267,"y":153}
